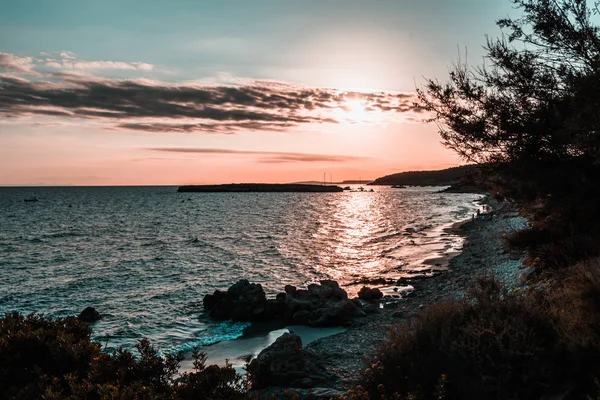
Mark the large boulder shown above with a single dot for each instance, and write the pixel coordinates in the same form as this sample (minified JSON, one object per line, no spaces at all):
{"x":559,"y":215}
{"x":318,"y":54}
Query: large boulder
{"x":319,"y":305}
{"x":286,"y":364}
{"x":243,"y":301}
{"x":89,"y":315}
{"x":334,"y":313}
{"x":336,"y":291}
{"x":367,"y":293}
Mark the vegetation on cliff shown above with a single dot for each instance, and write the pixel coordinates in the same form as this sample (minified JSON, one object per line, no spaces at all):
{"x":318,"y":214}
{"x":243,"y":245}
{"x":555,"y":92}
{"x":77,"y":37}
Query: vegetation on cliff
{"x":442,"y":177}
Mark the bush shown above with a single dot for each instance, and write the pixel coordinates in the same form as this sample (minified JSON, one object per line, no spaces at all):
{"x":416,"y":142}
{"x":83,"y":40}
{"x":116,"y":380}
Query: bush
{"x":55,"y":359}
{"x":494,"y":345}
{"x":552,"y":249}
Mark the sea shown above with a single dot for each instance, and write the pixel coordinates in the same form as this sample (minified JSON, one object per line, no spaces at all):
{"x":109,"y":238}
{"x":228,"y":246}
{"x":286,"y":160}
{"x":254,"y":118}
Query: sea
{"x":144,"y":257}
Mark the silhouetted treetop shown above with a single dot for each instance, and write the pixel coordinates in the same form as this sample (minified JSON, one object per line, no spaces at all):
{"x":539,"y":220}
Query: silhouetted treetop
{"x":536,"y":99}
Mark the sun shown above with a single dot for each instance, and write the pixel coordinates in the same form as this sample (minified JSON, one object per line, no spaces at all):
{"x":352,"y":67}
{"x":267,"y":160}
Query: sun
{"x":355,"y":110}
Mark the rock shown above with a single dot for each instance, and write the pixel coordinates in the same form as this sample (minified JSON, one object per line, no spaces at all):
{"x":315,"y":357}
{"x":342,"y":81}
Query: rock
{"x":294,"y":305}
{"x":367,"y":293}
{"x":320,"y":305}
{"x":365,"y":307}
{"x":243,"y":301}
{"x":286,"y":364}
{"x":289,"y":289}
{"x":275,"y":309}
{"x":333,"y":314}
{"x":337,"y":291}
{"x":526,"y":275}
{"x":210,"y":301}
{"x":301,"y":317}
{"x":371,"y":308}
{"x":321,"y":291}
{"x":89,"y":315}
{"x":331,"y":283}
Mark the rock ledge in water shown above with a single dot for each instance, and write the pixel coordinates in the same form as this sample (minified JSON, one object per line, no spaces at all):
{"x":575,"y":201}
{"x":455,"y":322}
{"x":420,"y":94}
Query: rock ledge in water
{"x":319,"y":305}
{"x":89,"y":315}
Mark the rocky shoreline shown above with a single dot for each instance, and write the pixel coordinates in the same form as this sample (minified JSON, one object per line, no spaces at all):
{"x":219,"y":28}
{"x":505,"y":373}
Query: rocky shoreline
{"x":330,"y":365}
{"x":341,"y":357}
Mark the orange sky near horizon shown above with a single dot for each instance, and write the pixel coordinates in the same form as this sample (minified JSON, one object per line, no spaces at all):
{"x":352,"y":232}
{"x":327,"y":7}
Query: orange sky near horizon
{"x":62,"y":156}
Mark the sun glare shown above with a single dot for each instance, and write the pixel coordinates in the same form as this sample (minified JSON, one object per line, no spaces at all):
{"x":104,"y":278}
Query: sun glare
{"x":355,"y":107}
{"x":354,"y":111}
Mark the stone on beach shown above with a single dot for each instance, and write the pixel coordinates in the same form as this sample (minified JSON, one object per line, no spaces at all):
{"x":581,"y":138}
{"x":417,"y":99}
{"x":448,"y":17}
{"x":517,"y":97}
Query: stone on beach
{"x":367,"y":293}
{"x":285,"y":363}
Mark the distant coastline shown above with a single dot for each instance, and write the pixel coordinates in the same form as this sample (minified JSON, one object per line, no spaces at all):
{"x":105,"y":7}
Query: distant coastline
{"x":462,"y":179}
{"x":260,"y":187}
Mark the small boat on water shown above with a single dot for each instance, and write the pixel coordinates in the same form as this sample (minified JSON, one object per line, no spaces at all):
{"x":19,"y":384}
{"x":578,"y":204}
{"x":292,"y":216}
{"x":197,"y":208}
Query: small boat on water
{"x":398,"y":187}
{"x":31,"y":200}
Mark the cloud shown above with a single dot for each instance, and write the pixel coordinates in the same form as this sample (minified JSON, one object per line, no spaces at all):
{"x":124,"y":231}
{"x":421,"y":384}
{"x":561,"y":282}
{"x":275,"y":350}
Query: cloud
{"x":69,"y":63}
{"x":153,"y":106}
{"x":264,"y":156}
{"x":68,"y":60}
{"x":12,"y":63}
{"x":64,"y":60}
{"x":67,"y":55}
{"x":208,"y":127}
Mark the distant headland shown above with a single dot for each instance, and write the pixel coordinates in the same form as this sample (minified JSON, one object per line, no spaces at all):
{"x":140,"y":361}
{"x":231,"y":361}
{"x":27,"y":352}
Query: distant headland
{"x":444,"y":177}
{"x":261,"y":187}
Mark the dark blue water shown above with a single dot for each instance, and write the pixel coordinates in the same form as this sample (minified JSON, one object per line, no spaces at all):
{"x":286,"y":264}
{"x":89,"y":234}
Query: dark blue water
{"x":146,"y":256}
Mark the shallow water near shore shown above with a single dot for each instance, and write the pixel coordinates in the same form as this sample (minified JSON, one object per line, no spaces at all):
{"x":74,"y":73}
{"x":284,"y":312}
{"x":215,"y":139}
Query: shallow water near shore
{"x":146,"y":256}
{"x":238,"y":351}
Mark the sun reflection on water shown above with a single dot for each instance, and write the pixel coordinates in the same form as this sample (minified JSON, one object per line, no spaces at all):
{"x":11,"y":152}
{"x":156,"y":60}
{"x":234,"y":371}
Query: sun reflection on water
{"x":356,"y":219}
{"x":366,"y":236}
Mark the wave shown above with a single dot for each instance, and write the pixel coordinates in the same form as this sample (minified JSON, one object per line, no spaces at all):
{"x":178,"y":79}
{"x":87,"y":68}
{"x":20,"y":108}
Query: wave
{"x":214,"y":334}
{"x":60,"y":235}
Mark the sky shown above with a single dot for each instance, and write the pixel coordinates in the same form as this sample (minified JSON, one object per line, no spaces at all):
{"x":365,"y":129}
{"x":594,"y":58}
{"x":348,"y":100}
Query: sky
{"x":123,"y":92}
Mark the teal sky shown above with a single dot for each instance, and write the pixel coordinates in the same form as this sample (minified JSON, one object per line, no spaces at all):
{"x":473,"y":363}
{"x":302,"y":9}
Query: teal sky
{"x":349,"y":44}
{"x":273,"y":39}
